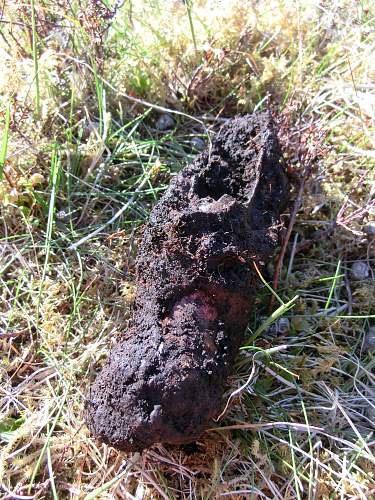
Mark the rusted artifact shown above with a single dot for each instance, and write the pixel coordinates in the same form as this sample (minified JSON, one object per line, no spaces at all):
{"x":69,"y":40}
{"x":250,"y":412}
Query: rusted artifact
{"x":196,"y":281}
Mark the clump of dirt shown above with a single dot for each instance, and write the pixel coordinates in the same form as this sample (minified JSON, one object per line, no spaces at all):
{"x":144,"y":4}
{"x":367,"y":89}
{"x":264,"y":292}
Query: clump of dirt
{"x":196,"y":280}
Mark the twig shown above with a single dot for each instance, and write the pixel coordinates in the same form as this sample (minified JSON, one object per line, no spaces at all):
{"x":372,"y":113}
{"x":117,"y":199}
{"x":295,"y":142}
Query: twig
{"x":292,"y":255}
{"x":309,"y":151}
{"x":349,"y":292}
{"x":8,"y":178}
{"x":280,"y":258}
{"x":12,"y":335}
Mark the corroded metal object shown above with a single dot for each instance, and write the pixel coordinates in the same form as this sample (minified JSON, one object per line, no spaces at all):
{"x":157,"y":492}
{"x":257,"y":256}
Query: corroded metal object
{"x":196,"y":281}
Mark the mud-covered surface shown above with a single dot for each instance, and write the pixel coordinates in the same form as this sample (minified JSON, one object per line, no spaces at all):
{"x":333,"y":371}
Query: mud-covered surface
{"x":196,"y":281}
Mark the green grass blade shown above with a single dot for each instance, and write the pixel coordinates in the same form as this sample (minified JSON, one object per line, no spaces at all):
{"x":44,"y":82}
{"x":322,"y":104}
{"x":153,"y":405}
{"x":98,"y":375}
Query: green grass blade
{"x":333,"y":286}
{"x":50,"y":470}
{"x":280,"y":311}
{"x":54,"y":183}
{"x":278,"y":298}
{"x":294,"y":466}
{"x":189,"y":6}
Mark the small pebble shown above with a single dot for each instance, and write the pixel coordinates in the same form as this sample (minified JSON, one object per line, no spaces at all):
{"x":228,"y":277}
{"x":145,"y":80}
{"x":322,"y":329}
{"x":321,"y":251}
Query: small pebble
{"x":198,"y":144}
{"x":165,"y":122}
{"x":62,"y":215}
{"x":283,"y":325}
{"x":360,"y":270}
{"x":280,"y":327}
{"x":370,"y":229}
{"x":369,"y":340}
{"x":37,"y":179}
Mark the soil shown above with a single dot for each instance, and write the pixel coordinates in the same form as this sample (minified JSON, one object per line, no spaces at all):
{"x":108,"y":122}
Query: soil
{"x":196,"y":281}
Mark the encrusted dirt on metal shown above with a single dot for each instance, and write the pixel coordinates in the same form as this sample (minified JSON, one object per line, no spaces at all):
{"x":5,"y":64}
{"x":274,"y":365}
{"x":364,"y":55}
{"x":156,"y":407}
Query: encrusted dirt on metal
{"x":196,"y":281}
